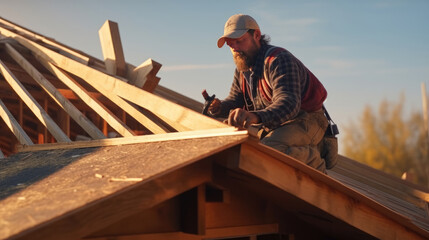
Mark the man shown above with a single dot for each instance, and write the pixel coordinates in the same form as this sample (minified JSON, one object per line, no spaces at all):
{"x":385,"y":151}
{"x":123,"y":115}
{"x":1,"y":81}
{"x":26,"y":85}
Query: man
{"x":272,"y":88}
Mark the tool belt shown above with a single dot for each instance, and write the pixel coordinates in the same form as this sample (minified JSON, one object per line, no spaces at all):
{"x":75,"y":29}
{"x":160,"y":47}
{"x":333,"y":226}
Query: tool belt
{"x":328,"y":147}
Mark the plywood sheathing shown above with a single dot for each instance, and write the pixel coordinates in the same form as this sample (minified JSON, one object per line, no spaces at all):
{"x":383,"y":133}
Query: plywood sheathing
{"x":78,"y":180}
{"x":92,"y":178}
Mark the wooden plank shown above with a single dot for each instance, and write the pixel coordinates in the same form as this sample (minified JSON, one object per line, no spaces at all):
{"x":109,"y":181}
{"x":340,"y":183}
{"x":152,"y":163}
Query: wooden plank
{"x":69,"y":94}
{"x":151,"y":79}
{"x":63,"y":102}
{"x":92,"y":102}
{"x":21,"y":113}
{"x":242,"y":230}
{"x":178,"y":98}
{"x":177,"y":116}
{"x":326,"y":194}
{"x":111,"y":47}
{"x":379,"y":179}
{"x":113,"y":121}
{"x":64,"y":119}
{"x":131,"y":110}
{"x":230,"y":131}
{"x":144,"y":76}
{"x":192,"y":212}
{"x":211,"y":233}
{"x":33,"y":104}
{"x":14,"y":126}
{"x":138,"y":74}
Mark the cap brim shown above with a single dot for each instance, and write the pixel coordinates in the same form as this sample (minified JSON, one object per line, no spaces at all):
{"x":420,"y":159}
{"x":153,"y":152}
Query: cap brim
{"x":234,"y":34}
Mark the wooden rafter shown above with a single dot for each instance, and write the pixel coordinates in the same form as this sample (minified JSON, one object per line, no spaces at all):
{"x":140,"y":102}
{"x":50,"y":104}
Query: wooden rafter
{"x":34,"y":106}
{"x":111,"y":47}
{"x":128,"y":108}
{"x":175,"y":115}
{"x":14,"y":126}
{"x":74,"y":113}
{"x":92,"y":102}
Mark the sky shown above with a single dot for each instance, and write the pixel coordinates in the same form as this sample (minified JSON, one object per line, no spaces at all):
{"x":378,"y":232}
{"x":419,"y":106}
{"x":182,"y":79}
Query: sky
{"x":362,"y":51}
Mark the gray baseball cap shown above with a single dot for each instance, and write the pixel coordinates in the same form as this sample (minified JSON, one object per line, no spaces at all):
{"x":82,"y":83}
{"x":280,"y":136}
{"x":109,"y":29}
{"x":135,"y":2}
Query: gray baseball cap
{"x":236,"y":26}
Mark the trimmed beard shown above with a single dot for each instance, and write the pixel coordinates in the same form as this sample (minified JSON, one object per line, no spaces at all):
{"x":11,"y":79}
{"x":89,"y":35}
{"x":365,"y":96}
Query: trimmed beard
{"x":245,"y":60}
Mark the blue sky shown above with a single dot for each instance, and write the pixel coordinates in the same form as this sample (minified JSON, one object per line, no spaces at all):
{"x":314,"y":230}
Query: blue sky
{"x":362,"y":51}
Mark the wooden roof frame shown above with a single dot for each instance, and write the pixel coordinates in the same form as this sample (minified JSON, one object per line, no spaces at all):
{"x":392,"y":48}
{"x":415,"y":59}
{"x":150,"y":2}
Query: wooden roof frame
{"x":114,"y":87}
{"x":226,"y":157}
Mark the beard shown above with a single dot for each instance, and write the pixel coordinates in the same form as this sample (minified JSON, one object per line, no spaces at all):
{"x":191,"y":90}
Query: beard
{"x":245,"y":60}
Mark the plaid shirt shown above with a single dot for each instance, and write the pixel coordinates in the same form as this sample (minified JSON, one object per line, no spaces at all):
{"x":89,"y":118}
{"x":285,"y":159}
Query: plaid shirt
{"x":288,"y":78}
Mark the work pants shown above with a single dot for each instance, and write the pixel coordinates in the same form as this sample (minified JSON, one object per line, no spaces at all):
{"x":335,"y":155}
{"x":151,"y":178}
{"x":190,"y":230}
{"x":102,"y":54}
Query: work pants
{"x":299,"y":138}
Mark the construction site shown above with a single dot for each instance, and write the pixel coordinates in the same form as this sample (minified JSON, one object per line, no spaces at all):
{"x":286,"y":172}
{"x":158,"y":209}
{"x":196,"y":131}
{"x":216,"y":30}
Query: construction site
{"x":99,"y":149}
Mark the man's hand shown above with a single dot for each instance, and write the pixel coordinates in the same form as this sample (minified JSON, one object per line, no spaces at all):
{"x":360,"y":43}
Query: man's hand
{"x":242,"y":118}
{"x":215,"y":107}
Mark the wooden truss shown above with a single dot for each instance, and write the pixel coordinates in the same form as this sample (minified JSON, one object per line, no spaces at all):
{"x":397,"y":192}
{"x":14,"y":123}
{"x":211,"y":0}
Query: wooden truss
{"x":122,"y":157}
{"x":94,"y":99}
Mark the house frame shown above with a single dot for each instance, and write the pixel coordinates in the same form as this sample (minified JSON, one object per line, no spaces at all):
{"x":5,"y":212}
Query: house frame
{"x":96,"y":149}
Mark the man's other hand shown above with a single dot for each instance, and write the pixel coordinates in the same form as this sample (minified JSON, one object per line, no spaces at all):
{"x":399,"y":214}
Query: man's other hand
{"x":242,"y":118}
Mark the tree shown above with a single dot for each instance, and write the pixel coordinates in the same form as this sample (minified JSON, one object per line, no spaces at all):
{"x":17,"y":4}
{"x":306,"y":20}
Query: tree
{"x":387,"y":142}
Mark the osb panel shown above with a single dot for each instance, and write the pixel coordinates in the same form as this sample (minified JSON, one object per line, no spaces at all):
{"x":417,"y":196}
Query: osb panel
{"x":39,"y":186}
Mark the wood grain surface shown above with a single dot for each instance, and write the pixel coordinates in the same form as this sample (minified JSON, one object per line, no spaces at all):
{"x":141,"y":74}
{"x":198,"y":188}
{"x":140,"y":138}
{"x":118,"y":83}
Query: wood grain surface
{"x":37,"y":187}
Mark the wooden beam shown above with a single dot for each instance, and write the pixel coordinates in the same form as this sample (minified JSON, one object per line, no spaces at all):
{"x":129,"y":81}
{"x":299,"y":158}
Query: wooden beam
{"x":323,"y":192}
{"x":33,"y":105}
{"x":111,"y":47}
{"x":177,"y":116}
{"x":64,"y":119}
{"x":178,"y":98}
{"x":211,"y":233}
{"x":368,"y":177}
{"x":112,"y":119}
{"x":63,"y":102}
{"x":21,"y":112}
{"x":93,"y":103}
{"x":14,"y":126}
{"x":192,"y":212}
{"x":151,"y":79}
{"x":144,"y":76}
{"x":137,"y":75}
{"x":137,"y":139}
{"x":242,"y":231}
{"x":69,"y":94}
{"x":131,"y":110}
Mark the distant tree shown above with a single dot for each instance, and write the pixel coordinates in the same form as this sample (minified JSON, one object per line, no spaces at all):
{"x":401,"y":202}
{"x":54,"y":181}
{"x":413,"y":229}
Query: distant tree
{"x":388,"y":142}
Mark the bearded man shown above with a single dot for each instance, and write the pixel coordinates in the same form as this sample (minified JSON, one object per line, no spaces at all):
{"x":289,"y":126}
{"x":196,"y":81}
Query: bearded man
{"x":271,"y":87}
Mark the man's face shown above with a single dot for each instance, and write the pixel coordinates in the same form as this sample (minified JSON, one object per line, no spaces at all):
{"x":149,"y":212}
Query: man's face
{"x":244,"y":50}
